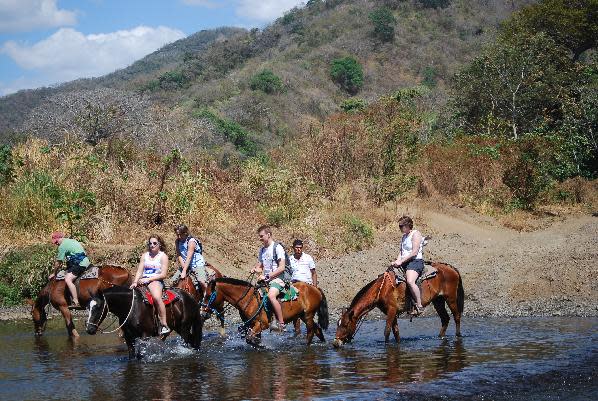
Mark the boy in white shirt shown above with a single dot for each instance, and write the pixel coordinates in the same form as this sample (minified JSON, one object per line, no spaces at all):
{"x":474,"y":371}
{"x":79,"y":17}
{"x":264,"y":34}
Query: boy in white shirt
{"x":304,"y":267}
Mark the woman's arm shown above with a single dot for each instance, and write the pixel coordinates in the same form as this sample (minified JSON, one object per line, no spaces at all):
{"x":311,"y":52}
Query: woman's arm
{"x":185,"y":263}
{"x":416,"y":240}
{"x":139,"y":271}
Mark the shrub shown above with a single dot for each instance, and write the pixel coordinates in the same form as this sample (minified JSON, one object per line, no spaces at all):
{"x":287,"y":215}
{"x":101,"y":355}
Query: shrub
{"x":384,"y":22}
{"x":5,"y":164}
{"x":353,"y":104}
{"x":359,"y":234}
{"x":232,"y":131}
{"x":267,"y":82}
{"x":435,"y":3}
{"x":347,"y":72}
{"x":429,"y":74}
{"x":173,"y":80}
{"x":24,"y":272}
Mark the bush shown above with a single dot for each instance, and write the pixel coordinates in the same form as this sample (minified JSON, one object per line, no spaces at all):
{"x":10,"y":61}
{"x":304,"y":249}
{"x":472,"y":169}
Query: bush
{"x":232,"y":131}
{"x":5,"y":164}
{"x":435,"y":3}
{"x":347,"y":72}
{"x":267,"y":82}
{"x":384,"y":22}
{"x":359,"y":234}
{"x":24,"y":272}
{"x":353,"y":105}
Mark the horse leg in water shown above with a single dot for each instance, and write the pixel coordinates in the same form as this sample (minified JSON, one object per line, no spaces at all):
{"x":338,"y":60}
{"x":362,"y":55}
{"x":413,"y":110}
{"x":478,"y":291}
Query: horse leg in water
{"x":68,"y":320}
{"x":452,"y":304}
{"x":297,"y":325}
{"x":444,"y":317}
{"x":395,"y":329}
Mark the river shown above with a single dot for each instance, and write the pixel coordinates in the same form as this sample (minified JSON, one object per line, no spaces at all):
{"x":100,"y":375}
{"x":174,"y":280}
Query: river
{"x":496,"y":359}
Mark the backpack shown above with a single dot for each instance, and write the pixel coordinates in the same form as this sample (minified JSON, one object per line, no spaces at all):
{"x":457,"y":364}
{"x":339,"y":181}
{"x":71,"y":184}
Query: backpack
{"x":198,"y":248}
{"x":288,"y":270}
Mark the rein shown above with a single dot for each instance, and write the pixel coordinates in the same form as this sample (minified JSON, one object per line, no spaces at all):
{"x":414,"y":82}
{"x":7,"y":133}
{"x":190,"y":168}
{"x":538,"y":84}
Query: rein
{"x":105,"y":307}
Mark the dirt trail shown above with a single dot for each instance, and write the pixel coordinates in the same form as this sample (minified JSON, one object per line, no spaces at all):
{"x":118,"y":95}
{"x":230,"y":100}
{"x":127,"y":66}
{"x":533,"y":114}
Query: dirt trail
{"x":551,"y":271}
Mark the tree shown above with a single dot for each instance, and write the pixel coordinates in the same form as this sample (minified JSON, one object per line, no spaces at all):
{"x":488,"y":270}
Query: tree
{"x":384,"y":22}
{"x":517,"y":85}
{"x":570,"y":23}
{"x":347,"y":72}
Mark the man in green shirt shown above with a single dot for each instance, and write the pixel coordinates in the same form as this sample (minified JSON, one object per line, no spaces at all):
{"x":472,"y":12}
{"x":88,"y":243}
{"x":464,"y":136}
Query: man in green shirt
{"x":72,"y":252}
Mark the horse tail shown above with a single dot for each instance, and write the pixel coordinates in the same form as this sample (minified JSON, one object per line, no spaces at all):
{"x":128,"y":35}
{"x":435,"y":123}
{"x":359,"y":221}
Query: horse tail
{"x":460,"y":294}
{"x":323,"y":318}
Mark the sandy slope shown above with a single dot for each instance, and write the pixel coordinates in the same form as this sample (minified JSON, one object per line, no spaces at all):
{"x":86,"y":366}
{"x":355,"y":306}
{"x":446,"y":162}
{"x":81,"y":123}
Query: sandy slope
{"x":505,"y":272}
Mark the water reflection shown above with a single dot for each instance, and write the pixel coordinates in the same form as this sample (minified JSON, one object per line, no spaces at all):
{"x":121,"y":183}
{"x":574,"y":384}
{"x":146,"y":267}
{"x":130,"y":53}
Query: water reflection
{"x":97,"y":367}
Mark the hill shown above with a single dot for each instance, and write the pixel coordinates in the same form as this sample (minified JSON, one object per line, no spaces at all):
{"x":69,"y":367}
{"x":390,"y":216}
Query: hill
{"x":202,"y":84}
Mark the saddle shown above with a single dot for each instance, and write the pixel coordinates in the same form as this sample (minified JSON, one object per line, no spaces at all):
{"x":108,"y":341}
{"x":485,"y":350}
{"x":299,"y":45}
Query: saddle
{"x":168,"y":297}
{"x":428,"y":273}
{"x":91,"y":272}
{"x":289,"y":294}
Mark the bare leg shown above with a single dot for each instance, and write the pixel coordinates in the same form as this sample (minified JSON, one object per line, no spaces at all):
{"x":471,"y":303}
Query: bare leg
{"x":272,"y":294}
{"x":411,"y":277}
{"x":68,"y":280}
{"x":156,"y":291}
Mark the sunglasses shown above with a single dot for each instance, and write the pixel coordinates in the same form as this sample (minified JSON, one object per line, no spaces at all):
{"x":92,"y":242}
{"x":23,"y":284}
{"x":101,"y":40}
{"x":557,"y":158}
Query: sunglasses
{"x":152,"y":243}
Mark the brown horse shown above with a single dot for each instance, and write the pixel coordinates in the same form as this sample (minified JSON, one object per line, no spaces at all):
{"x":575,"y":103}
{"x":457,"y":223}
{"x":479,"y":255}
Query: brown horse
{"x":187,"y":285}
{"x":55,"y":292}
{"x":393,"y":299}
{"x":252,"y":307}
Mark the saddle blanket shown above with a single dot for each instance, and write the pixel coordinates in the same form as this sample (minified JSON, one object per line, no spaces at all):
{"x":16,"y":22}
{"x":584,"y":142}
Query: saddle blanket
{"x":428,"y":273}
{"x":289,"y":294}
{"x":167,"y":296}
{"x":91,"y":272}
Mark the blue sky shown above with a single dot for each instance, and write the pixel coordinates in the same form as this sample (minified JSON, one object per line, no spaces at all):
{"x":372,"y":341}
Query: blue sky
{"x":43,"y":42}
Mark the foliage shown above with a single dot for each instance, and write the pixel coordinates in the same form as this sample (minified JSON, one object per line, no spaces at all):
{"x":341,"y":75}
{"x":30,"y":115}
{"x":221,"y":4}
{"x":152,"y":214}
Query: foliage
{"x":347,"y":72}
{"x":353,"y":104}
{"x":359,"y":234}
{"x":232,"y":131}
{"x":6,"y":162}
{"x":24,"y":272}
{"x":430,"y":74}
{"x":384,"y":24}
{"x":173,"y":80}
{"x":73,"y":207}
{"x":570,"y":23}
{"x":434,"y":3}
{"x":267,"y":82}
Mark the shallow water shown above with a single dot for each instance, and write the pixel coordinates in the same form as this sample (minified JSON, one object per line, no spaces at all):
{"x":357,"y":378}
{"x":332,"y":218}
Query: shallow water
{"x":511,"y":359}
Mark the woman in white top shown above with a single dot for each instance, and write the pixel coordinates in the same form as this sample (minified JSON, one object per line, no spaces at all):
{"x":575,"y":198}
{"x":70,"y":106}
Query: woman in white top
{"x":152,"y":270}
{"x":411,"y":258}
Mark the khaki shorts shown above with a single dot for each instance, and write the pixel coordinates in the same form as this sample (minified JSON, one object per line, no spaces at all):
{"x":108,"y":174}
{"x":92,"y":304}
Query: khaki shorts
{"x":196,"y":275}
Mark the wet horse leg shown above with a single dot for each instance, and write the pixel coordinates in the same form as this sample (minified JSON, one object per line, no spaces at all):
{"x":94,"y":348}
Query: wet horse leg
{"x":311,"y":329}
{"x":68,"y":320}
{"x":444,"y":317}
{"x":452,"y":304}
{"x":395,"y":329}
{"x":297,"y":326}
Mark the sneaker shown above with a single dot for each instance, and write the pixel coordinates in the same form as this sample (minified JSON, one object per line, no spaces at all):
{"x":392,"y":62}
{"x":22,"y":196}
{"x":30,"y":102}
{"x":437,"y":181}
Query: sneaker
{"x":164,"y":330}
{"x":75,"y":305}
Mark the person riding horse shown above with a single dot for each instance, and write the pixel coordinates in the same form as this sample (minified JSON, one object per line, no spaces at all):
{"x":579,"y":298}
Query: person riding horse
{"x":272,"y":264}
{"x":76,"y":263}
{"x":189,"y":255}
{"x":152,"y":270}
{"x":411,"y":259}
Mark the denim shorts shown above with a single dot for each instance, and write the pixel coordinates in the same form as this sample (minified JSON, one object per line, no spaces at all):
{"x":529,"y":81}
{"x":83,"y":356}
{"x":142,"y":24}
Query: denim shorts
{"x":416,"y":265}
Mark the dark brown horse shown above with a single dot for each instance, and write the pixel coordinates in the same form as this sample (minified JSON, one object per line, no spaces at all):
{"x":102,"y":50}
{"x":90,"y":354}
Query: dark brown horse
{"x":55,"y":293}
{"x":139,"y":320}
{"x":392,"y":300}
{"x":198,"y":294}
{"x":252,"y":307}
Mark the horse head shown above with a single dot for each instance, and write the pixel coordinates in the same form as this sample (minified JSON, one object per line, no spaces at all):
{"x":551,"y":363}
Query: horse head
{"x":346,"y":327}
{"x":38,"y":313}
{"x":97,"y":313}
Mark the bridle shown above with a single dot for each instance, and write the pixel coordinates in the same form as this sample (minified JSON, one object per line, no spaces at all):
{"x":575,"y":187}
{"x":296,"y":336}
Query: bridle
{"x":107,"y":309}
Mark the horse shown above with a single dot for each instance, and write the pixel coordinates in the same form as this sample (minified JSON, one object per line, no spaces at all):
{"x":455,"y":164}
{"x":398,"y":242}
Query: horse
{"x":55,"y":292}
{"x":393,"y":300}
{"x":252,"y":307}
{"x":188,"y":285}
{"x":139,"y":320}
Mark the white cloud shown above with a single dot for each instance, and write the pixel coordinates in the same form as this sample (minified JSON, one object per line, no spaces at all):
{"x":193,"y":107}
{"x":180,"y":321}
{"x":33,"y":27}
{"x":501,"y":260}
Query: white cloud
{"x":205,"y":3}
{"x":264,"y":10}
{"x":27,"y":15}
{"x":69,"y":54}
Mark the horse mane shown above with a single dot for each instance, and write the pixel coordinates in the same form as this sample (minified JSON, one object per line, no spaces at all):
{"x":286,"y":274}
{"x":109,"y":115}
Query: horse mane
{"x":234,"y":281}
{"x":362,"y":291}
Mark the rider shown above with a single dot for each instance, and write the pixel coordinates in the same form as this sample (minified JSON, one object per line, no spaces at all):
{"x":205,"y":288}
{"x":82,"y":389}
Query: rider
{"x":194,"y":265}
{"x":76,"y":263}
{"x":272,"y":263}
{"x":303,"y":265}
{"x":152,"y":270}
{"x":411,"y":258}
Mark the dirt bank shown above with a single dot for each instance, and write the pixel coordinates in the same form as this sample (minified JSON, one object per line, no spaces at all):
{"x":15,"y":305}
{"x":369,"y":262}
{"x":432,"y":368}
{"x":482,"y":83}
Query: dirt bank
{"x":549,"y":271}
